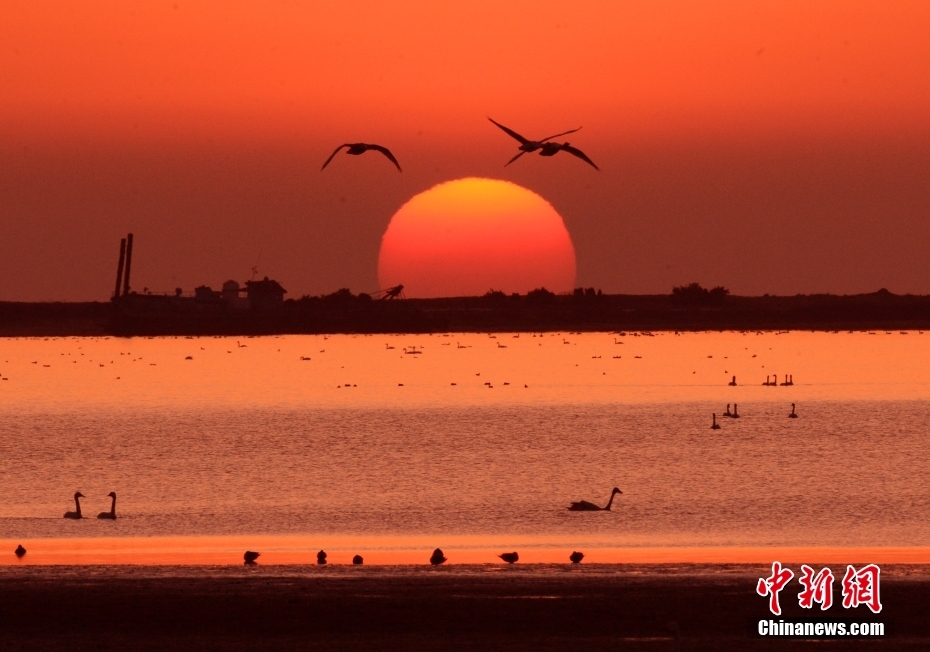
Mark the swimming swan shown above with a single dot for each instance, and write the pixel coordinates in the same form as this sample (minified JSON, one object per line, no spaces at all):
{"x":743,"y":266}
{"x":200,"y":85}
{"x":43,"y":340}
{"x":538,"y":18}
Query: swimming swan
{"x":112,"y":513}
{"x":77,"y":507}
{"x":585,"y":506}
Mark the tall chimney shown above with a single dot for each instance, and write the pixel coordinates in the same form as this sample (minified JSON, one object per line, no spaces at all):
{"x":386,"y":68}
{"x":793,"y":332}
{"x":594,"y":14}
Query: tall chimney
{"x":128,"y":263}
{"x":119,"y":268}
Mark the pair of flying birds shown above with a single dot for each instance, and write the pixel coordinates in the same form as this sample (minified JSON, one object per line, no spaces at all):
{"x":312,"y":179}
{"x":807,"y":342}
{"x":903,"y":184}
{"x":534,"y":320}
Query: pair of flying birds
{"x":544,"y":146}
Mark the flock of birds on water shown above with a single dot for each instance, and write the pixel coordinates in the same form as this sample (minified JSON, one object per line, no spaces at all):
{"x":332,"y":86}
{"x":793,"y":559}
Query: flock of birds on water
{"x":438,"y":557}
{"x":788,"y":382}
{"x":545,"y":147}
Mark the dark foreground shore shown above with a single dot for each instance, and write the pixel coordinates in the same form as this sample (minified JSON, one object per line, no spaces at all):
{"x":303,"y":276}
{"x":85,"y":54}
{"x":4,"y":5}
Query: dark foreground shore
{"x":587,"y":608}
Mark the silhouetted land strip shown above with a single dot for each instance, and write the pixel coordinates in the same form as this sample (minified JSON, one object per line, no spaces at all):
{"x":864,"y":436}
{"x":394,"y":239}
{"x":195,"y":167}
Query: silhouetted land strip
{"x":356,"y":608}
{"x":343,"y":312}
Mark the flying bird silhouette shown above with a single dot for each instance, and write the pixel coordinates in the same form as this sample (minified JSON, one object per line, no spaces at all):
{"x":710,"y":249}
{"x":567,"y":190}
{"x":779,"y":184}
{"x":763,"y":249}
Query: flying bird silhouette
{"x":360,"y":148}
{"x":527,"y":145}
{"x":551,"y":149}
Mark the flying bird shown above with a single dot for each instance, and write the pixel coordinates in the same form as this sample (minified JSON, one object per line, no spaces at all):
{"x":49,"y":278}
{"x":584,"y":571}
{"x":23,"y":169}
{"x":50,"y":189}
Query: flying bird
{"x":527,"y":145}
{"x":250,"y":556}
{"x":585,"y":506}
{"x":360,"y":148}
{"x":112,"y":513}
{"x":551,"y":149}
{"x":576,"y":557}
{"x":77,"y":507}
{"x":510,"y":557}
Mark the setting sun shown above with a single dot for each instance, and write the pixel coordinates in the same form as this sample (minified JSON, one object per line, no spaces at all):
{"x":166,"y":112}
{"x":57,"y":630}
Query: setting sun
{"x":469,"y":236}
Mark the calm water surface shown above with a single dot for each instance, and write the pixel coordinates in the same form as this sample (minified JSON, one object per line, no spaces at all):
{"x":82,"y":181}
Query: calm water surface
{"x":362,"y":447}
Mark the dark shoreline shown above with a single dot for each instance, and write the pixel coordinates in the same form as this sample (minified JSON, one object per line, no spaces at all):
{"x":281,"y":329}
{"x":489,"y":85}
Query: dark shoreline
{"x":146,"y":315}
{"x":514,"y":609}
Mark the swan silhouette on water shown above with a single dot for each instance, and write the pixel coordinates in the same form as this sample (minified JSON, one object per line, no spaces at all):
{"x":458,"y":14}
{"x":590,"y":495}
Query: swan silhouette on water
{"x":510,"y":557}
{"x":77,"y":507}
{"x":585,"y":506}
{"x":735,"y":414}
{"x":732,"y":383}
{"x":360,"y":148}
{"x":250,"y":556}
{"x":526,"y":145}
{"x":437,"y":558}
{"x":576,"y":557}
{"x":714,"y":425}
{"x":727,"y":413}
{"x":792,"y":415}
{"x":112,"y":513}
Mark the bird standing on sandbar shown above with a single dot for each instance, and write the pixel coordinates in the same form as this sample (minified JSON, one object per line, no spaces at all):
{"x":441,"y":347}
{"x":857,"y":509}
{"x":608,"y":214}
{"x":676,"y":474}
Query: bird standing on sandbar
{"x":360,"y":148}
{"x":526,"y":145}
{"x":510,"y":557}
{"x":112,"y":513}
{"x":585,"y":506}
{"x":77,"y":507}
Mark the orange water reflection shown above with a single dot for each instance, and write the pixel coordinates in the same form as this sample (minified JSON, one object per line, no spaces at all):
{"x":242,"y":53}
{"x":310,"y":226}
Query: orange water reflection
{"x":223,"y":550}
{"x":58,"y":374}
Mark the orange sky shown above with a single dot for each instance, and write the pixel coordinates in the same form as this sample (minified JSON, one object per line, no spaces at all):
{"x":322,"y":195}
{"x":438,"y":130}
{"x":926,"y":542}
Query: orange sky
{"x":769,"y":147}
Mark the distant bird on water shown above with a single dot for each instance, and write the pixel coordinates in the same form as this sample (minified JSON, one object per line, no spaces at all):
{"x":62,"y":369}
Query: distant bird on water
{"x":510,"y":557}
{"x":585,"y":506}
{"x":321,"y":557}
{"x":77,"y":507}
{"x":360,"y":148}
{"x":526,"y":145}
{"x":735,"y":414}
{"x":20,"y":551}
{"x":357,"y":560}
{"x":437,"y":558}
{"x":714,"y":425}
{"x":112,"y":513}
{"x":250,"y":556}
{"x":792,"y":415}
{"x":576,"y":557}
